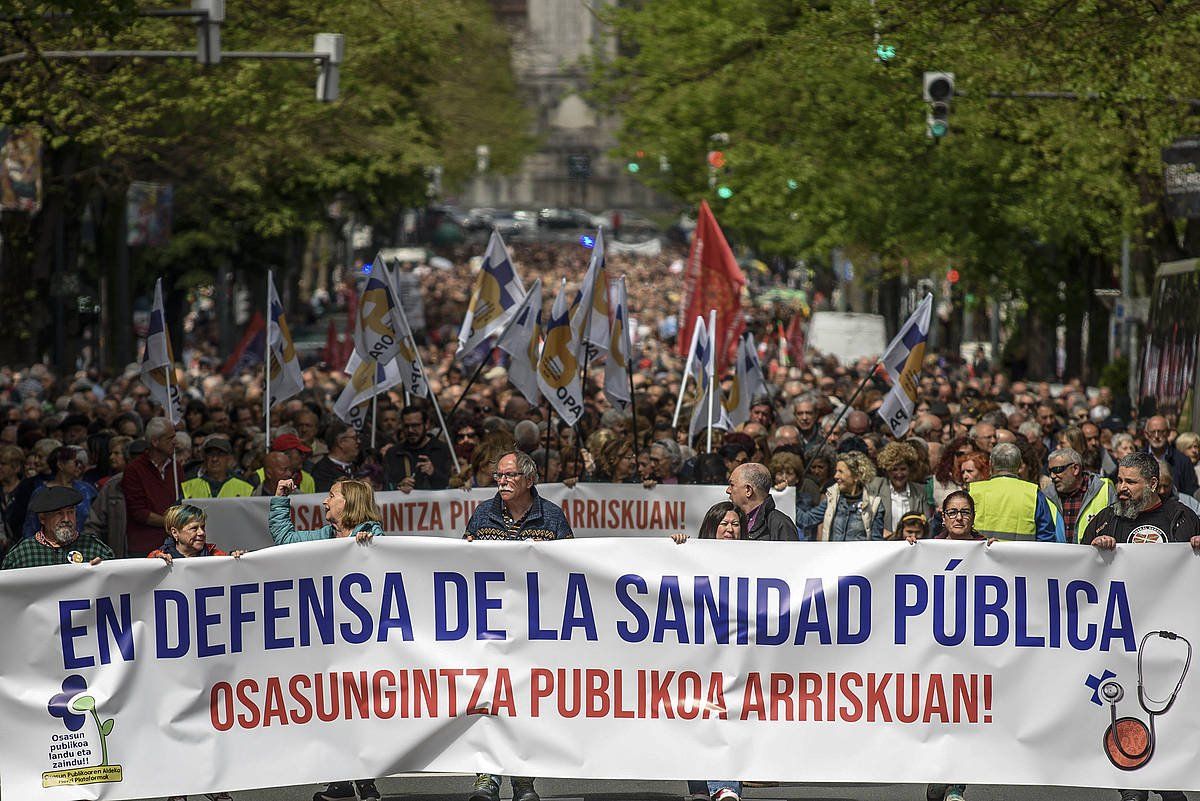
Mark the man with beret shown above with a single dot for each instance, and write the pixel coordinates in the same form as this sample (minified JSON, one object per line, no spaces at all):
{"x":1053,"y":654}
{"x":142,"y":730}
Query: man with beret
{"x":57,"y":541}
{"x":214,"y":479}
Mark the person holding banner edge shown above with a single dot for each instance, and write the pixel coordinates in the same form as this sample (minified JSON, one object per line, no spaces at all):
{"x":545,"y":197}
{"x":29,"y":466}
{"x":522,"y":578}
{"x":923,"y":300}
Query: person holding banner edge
{"x":958,"y":510}
{"x":350,"y":511}
{"x":517,"y":512}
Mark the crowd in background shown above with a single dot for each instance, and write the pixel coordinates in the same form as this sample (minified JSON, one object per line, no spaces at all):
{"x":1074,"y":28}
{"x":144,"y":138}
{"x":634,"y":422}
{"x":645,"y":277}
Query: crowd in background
{"x":100,"y":434}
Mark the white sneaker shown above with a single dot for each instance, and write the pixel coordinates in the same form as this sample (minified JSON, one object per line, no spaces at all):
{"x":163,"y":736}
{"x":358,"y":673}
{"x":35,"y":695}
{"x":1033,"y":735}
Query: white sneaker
{"x":725,"y":794}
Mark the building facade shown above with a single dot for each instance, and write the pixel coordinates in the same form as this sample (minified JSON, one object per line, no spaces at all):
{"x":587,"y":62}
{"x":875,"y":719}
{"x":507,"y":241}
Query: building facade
{"x":551,"y":39}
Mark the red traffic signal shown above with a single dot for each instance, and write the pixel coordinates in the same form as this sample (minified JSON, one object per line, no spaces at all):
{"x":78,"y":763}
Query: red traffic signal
{"x":716,"y":159}
{"x":952,"y":275}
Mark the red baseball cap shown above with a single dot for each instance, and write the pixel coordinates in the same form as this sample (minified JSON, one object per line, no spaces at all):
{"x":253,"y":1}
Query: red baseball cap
{"x":289,"y":442}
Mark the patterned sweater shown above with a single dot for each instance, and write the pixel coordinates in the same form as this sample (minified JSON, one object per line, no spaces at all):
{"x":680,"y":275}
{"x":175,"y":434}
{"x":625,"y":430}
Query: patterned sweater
{"x":543,"y":521}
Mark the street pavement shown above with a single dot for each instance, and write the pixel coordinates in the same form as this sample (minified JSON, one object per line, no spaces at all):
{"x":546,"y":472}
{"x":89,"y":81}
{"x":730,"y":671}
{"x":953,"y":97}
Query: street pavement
{"x":442,"y":787}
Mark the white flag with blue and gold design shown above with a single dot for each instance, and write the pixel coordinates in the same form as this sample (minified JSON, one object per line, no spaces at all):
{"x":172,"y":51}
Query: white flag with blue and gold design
{"x":903,"y":360}
{"x":494,"y":299}
{"x":558,"y":367}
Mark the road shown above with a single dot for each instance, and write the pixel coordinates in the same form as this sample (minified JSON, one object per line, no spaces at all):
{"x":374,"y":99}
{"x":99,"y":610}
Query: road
{"x":429,"y":787}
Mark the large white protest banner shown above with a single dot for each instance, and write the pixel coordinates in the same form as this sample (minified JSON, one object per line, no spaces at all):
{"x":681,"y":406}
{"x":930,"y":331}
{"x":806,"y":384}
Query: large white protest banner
{"x":593,"y":510}
{"x":625,"y":659}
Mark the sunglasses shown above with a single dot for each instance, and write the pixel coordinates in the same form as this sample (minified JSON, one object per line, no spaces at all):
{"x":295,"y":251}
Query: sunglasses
{"x":1054,"y":471}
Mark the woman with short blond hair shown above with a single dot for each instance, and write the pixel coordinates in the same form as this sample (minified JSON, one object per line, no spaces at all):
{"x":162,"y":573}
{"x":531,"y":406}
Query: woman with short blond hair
{"x":350,"y":511}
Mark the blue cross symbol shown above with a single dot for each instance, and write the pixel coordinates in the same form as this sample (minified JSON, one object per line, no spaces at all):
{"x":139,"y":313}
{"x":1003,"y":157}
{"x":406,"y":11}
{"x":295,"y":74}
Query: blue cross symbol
{"x":1094,"y":682}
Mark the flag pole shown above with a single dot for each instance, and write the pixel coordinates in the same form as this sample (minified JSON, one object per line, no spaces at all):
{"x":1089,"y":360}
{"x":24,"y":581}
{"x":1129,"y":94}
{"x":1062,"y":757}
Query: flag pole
{"x":167,"y":375}
{"x":712,"y":371}
{"x":584,"y":332}
{"x":437,"y":408}
{"x":374,"y":408}
{"x":841,"y":413}
{"x":632,"y":403}
{"x":629,"y":372}
{"x":482,"y":364}
{"x":470,"y":382}
{"x":549,"y":425}
{"x":267,"y":363}
{"x":687,"y":371}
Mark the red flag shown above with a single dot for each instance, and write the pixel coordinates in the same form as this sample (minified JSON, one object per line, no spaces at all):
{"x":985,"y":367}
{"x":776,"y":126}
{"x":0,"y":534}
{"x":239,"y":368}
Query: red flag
{"x":795,"y":340}
{"x":332,"y":351}
{"x":712,"y":280}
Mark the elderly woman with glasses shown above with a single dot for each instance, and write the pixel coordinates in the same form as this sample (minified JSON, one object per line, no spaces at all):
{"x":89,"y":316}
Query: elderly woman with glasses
{"x":958,"y":523}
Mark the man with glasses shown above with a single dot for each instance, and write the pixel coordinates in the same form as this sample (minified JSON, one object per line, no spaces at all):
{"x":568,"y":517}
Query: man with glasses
{"x":466,"y":440}
{"x":342,"y":441}
{"x":1157,"y":445}
{"x":517,"y":512}
{"x":1079,"y":495}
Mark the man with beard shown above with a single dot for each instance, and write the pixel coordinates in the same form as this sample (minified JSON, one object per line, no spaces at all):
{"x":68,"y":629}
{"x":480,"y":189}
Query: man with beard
{"x":1096,"y":458}
{"x":1139,"y":514}
{"x":57,"y":541}
{"x":419,"y":461}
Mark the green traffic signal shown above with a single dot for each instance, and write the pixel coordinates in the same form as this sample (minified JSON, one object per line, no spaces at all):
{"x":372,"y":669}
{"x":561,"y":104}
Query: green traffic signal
{"x":938,"y":128}
{"x":885,"y":52}
{"x":724,"y":192}
{"x":633,"y":166}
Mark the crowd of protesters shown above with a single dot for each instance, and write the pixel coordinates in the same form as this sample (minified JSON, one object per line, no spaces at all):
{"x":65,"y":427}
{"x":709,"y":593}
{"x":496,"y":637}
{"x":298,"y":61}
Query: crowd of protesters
{"x":105,"y":438}
{"x":91,"y":469}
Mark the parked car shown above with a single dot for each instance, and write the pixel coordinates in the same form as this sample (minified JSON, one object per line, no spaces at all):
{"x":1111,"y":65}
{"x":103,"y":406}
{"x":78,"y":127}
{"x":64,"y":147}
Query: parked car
{"x":480,"y":219}
{"x":564,"y":218}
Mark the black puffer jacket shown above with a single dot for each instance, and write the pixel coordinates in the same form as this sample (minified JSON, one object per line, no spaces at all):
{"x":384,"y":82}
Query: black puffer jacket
{"x":773,"y":525}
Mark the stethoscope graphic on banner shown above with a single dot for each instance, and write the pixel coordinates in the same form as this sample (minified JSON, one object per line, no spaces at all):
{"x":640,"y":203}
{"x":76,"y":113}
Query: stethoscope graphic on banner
{"x":1128,"y":742}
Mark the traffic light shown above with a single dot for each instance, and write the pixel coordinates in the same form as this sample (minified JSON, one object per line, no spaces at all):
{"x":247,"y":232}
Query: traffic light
{"x":885,"y":53}
{"x":939,"y":89}
{"x":724,"y":192}
{"x":209,"y":16}
{"x":330,"y":47}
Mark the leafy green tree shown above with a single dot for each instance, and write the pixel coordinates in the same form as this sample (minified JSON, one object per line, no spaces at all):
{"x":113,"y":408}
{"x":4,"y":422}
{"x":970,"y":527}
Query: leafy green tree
{"x":254,"y":160}
{"x":828,"y":147}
